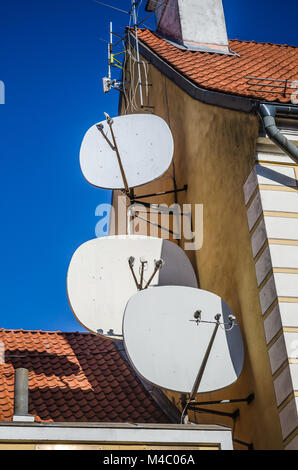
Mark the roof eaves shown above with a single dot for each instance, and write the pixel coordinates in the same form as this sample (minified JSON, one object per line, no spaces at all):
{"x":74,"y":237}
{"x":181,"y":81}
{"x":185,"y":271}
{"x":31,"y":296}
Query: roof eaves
{"x":215,"y":98}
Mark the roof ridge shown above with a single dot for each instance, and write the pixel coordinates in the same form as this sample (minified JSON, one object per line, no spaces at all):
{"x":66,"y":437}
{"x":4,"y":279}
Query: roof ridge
{"x":20,"y":330}
{"x":251,"y":41}
{"x":223,"y":73}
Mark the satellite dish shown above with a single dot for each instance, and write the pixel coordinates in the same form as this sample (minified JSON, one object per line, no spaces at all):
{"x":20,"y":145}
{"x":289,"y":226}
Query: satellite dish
{"x":101,"y":280}
{"x":145,"y":146}
{"x":167,"y":331}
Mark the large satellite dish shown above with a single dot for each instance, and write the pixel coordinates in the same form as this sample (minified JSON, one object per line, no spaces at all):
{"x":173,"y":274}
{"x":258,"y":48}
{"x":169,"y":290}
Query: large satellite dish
{"x":104,"y":273}
{"x":167,"y":331}
{"x":144,"y":147}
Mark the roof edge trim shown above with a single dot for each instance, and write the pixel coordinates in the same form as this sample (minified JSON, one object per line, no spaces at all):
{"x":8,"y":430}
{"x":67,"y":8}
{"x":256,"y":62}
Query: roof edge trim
{"x":215,"y":98}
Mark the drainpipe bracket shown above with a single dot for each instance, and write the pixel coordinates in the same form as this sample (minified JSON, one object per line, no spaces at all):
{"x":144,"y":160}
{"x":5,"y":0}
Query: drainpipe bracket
{"x":268,"y":113}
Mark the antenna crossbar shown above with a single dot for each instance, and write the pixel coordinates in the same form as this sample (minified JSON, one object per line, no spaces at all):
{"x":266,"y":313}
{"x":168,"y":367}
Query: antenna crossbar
{"x":134,"y":14}
{"x":110,"y":6}
{"x":143,"y":263}
{"x":191,"y":404}
{"x":131,"y":261}
{"x":205,"y":360}
{"x":163,"y":193}
{"x":247,"y":400}
{"x":157,"y":225}
{"x":202,"y":369}
{"x":232,"y":415}
{"x":158,"y":265}
{"x":100,"y":128}
{"x":114,"y":147}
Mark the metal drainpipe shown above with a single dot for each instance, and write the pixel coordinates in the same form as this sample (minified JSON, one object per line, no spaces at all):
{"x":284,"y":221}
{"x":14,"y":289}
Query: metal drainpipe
{"x":21,"y":392}
{"x":268,"y":114}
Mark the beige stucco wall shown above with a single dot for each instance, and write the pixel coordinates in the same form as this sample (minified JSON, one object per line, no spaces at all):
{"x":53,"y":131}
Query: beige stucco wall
{"x":214,"y":154}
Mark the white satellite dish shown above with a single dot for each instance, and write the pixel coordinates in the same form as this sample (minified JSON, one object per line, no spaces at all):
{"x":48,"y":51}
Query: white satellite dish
{"x":167,"y":347}
{"x":100,"y":279}
{"x":145,"y":147}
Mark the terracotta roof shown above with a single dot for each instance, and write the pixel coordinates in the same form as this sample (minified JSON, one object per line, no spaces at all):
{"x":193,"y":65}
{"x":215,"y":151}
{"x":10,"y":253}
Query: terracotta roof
{"x":74,"y":377}
{"x":227,"y":73}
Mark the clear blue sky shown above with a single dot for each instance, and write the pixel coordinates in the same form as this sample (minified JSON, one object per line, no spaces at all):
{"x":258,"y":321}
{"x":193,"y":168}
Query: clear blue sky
{"x":52,"y":59}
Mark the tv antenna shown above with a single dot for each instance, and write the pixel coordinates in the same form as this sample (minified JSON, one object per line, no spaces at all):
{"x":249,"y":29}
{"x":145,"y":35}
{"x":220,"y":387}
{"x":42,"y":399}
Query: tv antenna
{"x":108,"y":82}
{"x":135,"y":26}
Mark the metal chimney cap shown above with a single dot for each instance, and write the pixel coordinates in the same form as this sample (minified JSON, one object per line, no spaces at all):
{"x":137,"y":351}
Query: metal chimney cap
{"x":198,"y":25}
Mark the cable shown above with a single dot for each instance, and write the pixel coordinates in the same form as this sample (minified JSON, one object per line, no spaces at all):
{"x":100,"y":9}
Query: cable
{"x":110,"y":6}
{"x":133,"y":62}
{"x":138,"y":6}
{"x":183,"y":413}
{"x":125,"y":80}
{"x":165,"y":3}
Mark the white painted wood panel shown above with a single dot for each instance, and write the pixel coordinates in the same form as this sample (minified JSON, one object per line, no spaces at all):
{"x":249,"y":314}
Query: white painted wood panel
{"x":289,"y":313}
{"x":276,"y":175}
{"x":284,"y":256}
{"x":284,"y":228}
{"x":279,"y":201}
{"x":273,"y":157}
{"x":286,"y":284}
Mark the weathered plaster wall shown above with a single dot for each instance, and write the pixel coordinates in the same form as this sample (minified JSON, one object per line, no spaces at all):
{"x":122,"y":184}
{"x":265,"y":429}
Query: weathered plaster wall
{"x":214,"y":155}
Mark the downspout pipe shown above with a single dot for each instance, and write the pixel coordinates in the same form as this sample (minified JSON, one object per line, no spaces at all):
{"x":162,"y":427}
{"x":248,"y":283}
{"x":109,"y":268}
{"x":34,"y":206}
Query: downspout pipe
{"x":268,"y":113}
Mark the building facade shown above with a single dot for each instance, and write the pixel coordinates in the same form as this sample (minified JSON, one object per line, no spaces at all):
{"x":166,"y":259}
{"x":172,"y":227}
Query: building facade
{"x":221,"y":110}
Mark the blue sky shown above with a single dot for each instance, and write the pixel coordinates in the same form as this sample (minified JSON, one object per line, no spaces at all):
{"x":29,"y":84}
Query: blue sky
{"x":52,"y":60}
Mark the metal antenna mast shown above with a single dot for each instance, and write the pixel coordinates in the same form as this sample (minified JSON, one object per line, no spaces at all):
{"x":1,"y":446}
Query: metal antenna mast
{"x":110,"y":50}
{"x":134,"y":14}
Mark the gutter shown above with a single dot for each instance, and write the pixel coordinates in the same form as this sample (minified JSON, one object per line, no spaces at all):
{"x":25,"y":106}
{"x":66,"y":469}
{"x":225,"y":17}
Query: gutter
{"x":268,"y":113}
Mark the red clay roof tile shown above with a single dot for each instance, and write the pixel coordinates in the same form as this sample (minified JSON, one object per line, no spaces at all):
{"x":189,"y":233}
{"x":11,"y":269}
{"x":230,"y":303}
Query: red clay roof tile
{"x":228,"y":73}
{"x":74,"y":377}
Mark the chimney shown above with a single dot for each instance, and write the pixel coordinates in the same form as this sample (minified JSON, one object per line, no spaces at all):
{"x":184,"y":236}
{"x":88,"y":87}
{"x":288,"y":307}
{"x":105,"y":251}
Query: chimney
{"x":198,"y":25}
{"x":21,"y":396}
